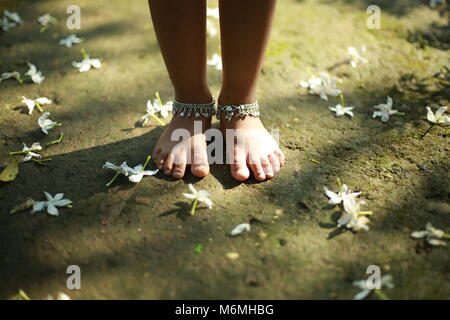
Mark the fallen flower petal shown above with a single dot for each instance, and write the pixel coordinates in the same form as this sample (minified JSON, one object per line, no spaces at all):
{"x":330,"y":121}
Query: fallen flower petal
{"x":240,"y":229}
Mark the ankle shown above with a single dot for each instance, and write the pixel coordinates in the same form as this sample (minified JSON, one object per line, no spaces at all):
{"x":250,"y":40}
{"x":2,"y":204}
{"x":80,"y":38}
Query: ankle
{"x":227,"y":97}
{"x":202,"y":95}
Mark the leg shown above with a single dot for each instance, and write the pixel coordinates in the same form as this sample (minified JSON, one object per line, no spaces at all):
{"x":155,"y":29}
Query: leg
{"x":180,"y":27}
{"x":245,"y":28}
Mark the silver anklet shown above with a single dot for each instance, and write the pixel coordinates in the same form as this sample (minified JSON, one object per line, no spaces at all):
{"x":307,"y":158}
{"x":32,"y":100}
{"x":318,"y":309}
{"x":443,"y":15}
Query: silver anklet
{"x":196,"y":110}
{"x":242,"y":110}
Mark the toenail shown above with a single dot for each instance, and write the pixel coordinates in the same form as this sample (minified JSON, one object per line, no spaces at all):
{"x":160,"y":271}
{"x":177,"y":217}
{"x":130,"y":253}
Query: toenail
{"x":241,"y":172}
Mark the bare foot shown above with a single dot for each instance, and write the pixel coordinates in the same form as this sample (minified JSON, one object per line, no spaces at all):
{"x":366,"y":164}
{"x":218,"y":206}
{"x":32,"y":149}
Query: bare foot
{"x":172,"y":157}
{"x":252,"y":148}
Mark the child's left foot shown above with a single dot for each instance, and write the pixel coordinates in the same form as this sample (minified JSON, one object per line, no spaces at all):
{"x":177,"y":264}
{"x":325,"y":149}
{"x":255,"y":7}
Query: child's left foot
{"x":253,"y":149}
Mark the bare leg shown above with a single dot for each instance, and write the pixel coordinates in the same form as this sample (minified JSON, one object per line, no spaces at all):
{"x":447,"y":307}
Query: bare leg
{"x":180,"y":27}
{"x":245,"y":28}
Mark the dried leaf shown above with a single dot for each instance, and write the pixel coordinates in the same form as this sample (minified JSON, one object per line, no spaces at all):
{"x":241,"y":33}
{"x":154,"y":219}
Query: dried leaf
{"x":11,"y":170}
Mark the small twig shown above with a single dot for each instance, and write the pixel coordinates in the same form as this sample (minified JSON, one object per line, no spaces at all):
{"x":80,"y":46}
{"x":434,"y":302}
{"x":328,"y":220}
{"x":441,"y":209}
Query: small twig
{"x":426,"y":131}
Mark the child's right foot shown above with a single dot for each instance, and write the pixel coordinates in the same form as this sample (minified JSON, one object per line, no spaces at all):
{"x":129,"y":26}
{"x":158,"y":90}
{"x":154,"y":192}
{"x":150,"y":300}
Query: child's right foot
{"x":172,"y":157}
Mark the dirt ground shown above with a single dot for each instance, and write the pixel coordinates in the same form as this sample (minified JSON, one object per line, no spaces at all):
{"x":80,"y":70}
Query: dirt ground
{"x":138,"y":241}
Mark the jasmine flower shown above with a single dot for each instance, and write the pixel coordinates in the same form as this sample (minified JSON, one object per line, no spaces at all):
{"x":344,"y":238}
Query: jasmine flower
{"x":30,"y":151}
{"x":211,"y":28}
{"x":354,"y":218}
{"x":70,"y":40}
{"x":8,"y":75}
{"x":87,"y":63}
{"x":59,"y":296}
{"x":134,"y":174}
{"x":354,"y":56}
{"x":432,"y":235}
{"x":343,"y":194}
{"x":438,"y":117}
{"x":212,"y":12}
{"x":385,"y":110}
{"x":240,"y":229}
{"x":6,"y":24}
{"x":341,"y":109}
{"x":435,"y":3}
{"x":385,"y":281}
{"x":157,"y":106}
{"x":51,"y":203}
{"x":35,"y":75}
{"x":45,"y":20}
{"x":35,"y":103}
{"x":13,"y":16}
{"x":324,"y":85}
{"x":215,"y":61}
{"x":196,"y":196}
{"x":45,"y":123}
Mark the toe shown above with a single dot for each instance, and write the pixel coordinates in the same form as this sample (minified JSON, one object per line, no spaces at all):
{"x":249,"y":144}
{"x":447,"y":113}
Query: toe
{"x":159,"y":160}
{"x":280,"y":156}
{"x":275,"y":162}
{"x":240,"y":171}
{"x":179,"y":168}
{"x":200,"y":166}
{"x":267,"y":167}
{"x":200,"y":170}
{"x":168,"y":165}
{"x":258,"y":170}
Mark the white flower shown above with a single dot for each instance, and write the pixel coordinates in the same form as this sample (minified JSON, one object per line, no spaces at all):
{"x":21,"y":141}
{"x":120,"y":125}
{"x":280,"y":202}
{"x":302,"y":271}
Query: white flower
{"x":45,"y":21}
{"x":431,"y":234}
{"x":29,"y":151}
{"x":36,"y":76}
{"x":385,"y":281}
{"x":438,"y":117}
{"x":45,"y":123}
{"x":324,"y":85}
{"x":240,"y":229}
{"x":434,"y":3}
{"x":13,"y":74}
{"x":156,"y":107}
{"x":70,"y":40}
{"x":13,"y":16}
{"x":342,"y":195}
{"x":59,"y":296}
{"x":353,"y":217}
{"x":385,"y":110}
{"x":6,"y":24}
{"x":51,"y":203}
{"x":201,"y":195}
{"x":213,"y":13}
{"x":211,"y":28}
{"x":87,"y":63}
{"x":354,"y":56}
{"x":134,"y":174}
{"x":340,"y":110}
{"x":32,"y":103}
{"x":215,"y":61}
